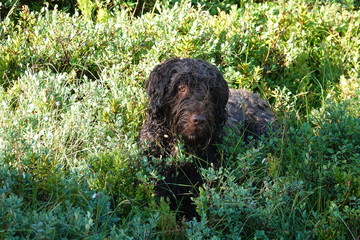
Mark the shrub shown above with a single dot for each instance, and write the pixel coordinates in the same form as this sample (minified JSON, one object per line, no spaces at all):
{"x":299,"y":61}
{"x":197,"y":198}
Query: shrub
{"x":72,"y":103}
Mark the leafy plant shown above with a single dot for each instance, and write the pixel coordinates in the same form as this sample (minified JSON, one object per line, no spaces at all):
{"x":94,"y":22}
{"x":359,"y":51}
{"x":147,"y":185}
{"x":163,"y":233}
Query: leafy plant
{"x":72,"y":103}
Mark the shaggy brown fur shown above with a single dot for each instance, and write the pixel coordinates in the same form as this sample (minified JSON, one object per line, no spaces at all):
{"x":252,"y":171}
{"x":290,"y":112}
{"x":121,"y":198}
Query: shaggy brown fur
{"x":189,"y":103}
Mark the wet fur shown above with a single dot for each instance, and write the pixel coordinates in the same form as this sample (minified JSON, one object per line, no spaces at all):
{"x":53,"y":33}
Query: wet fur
{"x":190,"y":103}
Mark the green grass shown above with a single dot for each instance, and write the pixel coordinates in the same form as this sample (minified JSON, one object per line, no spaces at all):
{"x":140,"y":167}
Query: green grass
{"x":72,"y":103}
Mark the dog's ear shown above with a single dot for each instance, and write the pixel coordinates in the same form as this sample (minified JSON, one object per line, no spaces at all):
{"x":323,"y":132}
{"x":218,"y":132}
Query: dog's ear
{"x":157,"y":85}
{"x":220,"y":91}
{"x":221,"y":101}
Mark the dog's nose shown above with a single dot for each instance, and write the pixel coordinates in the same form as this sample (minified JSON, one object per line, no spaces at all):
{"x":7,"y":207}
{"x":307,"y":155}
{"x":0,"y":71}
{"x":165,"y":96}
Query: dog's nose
{"x":198,"y":119}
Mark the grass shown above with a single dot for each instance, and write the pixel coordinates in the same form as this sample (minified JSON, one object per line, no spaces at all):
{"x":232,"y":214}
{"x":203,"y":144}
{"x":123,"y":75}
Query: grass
{"x":72,"y":103}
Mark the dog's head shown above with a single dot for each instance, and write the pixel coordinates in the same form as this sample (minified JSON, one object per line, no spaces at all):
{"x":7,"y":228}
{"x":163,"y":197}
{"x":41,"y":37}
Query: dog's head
{"x":189,"y":97}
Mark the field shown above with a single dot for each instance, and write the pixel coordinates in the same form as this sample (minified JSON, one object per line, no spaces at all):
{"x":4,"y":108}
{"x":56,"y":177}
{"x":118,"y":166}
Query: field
{"x":72,"y":102}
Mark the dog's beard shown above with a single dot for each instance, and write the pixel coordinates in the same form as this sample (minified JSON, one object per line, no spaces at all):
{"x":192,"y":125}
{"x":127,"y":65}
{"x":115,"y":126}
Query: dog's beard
{"x":193,"y":135}
{"x":196,"y":135}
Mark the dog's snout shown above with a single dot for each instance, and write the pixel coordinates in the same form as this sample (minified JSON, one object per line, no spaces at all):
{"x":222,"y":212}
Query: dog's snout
{"x":198,"y":119}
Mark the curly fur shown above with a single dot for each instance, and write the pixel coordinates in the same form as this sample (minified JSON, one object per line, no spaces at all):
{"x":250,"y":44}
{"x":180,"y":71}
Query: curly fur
{"x":189,"y":102}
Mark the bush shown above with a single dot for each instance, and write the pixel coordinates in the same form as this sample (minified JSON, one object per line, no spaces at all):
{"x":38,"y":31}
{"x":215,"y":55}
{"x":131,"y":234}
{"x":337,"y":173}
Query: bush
{"x":72,"y":103}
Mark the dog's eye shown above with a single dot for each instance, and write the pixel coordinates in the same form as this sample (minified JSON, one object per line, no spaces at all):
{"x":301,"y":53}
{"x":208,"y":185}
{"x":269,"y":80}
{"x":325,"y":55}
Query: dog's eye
{"x":182,"y":88}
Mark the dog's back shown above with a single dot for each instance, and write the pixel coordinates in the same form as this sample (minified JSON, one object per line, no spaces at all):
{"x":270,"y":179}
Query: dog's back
{"x":248,"y":114}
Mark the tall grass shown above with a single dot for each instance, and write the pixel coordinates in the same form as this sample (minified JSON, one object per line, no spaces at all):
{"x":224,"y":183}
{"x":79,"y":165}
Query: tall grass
{"x":72,"y":103}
